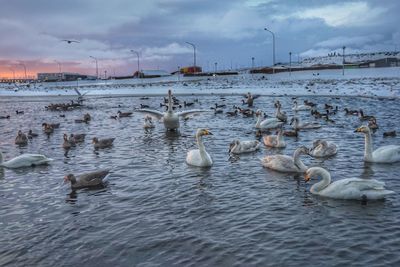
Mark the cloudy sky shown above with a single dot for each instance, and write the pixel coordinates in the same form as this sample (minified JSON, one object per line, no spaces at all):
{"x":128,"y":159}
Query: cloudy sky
{"x":229,"y":32}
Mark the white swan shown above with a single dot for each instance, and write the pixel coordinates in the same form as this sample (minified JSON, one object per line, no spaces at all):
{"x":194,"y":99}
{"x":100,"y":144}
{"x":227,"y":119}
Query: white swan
{"x":322,"y":148}
{"x":239,"y":147}
{"x":170,"y":118}
{"x":384,"y":154}
{"x":275,"y":140}
{"x":350,"y":188}
{"x":24,"y":160}
{"x":298,"y":107}
{"x":305,"y":125}
{"x":270,"y":123}
{"x":283,"y":163}
{"x":148,"y":122}
{"x":199,"y":157}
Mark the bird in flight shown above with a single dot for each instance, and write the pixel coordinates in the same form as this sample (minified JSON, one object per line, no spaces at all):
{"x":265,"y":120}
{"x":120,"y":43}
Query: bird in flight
{"x":70,"y":41}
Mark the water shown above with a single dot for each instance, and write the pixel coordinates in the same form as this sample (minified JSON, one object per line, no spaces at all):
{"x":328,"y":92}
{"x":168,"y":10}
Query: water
{"x":157,"y":211}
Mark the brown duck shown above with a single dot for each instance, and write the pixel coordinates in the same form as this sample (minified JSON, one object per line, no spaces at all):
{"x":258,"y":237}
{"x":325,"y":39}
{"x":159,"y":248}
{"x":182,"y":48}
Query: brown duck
{"x":102,"y":143}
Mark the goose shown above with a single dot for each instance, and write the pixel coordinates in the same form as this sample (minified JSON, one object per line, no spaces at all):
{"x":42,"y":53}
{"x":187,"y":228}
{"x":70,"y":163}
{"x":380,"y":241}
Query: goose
{"x":187,"y":104}
{"x":283,"y":163}
{"x":102,"y":143}
{"x":305,"y":125}
{"x":239,"y":147}
{"x":87,"y":180}
{"x":77,"y":138}
{"x":24,"y":160}
{"x":170,"y":118}
{"x":124,"y":114}
{"x":148,"y":122}
{"x":270,"y":123}
{"x":298,"y":107}
{"x":349,"y":188}
{"x":384,"y":154}
{"x":322,"y":148}
{"x":19,"y":112}
{"x":67,"y":144}
{"x":199,"y":157}
{"x":21,"y":139}
{"x":275,"y":140}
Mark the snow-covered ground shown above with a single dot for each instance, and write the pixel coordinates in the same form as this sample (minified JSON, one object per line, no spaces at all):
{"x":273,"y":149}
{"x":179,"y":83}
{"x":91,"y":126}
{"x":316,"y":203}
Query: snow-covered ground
{"x":382,"y":82}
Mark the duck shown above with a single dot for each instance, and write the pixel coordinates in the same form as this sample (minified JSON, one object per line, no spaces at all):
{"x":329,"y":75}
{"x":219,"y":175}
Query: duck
{"x":372,"y":124}
{"x":249,"y":99}
{"x":87,"y":180}
{"x":363,"y":117}
{"x":52,"y":125}
{"x":270,"y":123}
{"x":298,"y":107}
{"x":275,"y":140}
{"x":145,"y":106}
{"x":323,"y":148}
{"x":305,"y":125}
{"x":48,"y":129}
{"x":187,"y":104}
{"x":200,"y":157}
{"x":170,"y":118}
{"x":391,"y":134}
{"x":148,"y":122}
{"x":31,"y":134}
{"x":18,"y":112}
{"x":77,"y":138}
{"x":348,"y":189}
{"x":284,"y":163}
{"x":384,"y":154}
{"x":124,"y":114}
{"x":102,"y":143}
{"x":232,"y":113}
{"x":24,"y":160}
{"x":5,"y":117}
{"x":239,"y":147}
{"x":289,"y":133}
{"x":21,"y":139}
{"x":67,"y":144}
{"x":351,"y":112}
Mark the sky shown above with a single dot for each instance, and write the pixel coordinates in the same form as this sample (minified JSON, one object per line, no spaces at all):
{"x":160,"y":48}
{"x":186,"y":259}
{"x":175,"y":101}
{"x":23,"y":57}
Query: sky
{"x":227,"y":32}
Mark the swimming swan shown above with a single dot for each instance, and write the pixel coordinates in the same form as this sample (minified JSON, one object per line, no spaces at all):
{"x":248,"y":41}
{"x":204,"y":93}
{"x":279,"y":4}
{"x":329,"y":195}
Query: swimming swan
{"x":322,"y":148}
{"x":283,"y":163}
{"x":24,"y":160}
{"x":384,"y":154}
{"x":275,"y":140}
{"x":349,"y":188}
{"x":239,"y":147}
{"x":170,"y":118}
{"x":270,"y":123}
{"x":199,"y":157}
{"x":297,"y":107}
{"x":305,"y":125}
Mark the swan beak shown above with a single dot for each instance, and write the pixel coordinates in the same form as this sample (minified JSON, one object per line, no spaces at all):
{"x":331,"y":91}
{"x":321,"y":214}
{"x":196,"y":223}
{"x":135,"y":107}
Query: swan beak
{"x":307,"y":177}
{"x":207,"y":132}
{"x":357,"y":130}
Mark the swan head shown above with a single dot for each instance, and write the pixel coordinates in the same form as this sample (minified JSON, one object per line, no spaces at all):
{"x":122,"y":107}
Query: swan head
{"x":259,"y":112}
{"x":303,"y":150}
{"x":314,"y":171}
{"x":69,"y":178}
{"x":362,"y":129}
{"x":201,"y":132}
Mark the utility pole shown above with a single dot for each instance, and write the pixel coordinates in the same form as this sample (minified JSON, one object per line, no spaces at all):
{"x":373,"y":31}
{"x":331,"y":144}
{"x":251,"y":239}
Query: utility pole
{"x":273,"y":49}
{"x":343,"y":59}
{"x":97,"y":67}
{"x":138,"y":62}
{"x":290,"y":63}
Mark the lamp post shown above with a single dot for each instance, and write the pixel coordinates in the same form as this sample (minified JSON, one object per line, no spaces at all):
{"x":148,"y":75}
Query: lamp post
{"x":273,"y":49}
{"x":138,"y":63}
{"x":290,"y":63}
{"x":23,"y":65}
{"x":252,"y":62}
{"x":97,"y":67}
{"x":343,"y":59}
{"x":215,"y":67}
{"x":194,"y":55}
{"x":59,"y":69}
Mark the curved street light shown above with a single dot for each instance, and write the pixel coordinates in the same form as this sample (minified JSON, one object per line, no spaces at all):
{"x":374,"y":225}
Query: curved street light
{"x":97,"y":67}
{"x":138,"y":63}
{"x":194,"y":55}
{"x":273,"y":49}
{"x":23,"y":64}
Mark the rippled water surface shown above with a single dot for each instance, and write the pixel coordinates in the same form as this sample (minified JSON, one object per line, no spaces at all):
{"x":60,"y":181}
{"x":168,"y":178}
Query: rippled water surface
{"x":158,"y":211}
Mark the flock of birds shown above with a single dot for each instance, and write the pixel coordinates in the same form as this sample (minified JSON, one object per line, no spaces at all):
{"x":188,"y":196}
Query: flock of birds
{"x":351,"y":188}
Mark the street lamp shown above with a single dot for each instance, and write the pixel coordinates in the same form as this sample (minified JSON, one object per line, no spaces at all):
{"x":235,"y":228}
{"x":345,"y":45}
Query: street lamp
{"x":138,"y":63}
{"x":273,"y":49}
{"x":215,"y":65}
{"x":252,"y":62}
{"x":59,"y":69}
{"x":290,"y":63}
{"x":97,"y":67}
{"x":343,"y":59}
{"x":23,"y":64}
{"x":194,"y":55}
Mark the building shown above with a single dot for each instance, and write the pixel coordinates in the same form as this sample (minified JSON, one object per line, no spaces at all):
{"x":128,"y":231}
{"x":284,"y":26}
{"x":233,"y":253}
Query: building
{"x":151,"y":74}
{"x":63,"y":76}
{"x":191,"y":69}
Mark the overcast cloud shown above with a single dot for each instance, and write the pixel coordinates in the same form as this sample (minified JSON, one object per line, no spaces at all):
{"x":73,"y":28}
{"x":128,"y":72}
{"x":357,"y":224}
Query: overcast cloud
{"x":229,"y":32}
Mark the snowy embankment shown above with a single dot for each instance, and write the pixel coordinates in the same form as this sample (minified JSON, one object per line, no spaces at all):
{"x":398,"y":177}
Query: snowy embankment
{"x":381,"y":82}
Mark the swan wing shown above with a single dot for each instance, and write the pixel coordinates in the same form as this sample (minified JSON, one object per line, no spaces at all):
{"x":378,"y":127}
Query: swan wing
{"x":280,"y":163}
{"x":26,"y":160}
{"x":387,"y":154}
{"x":270,"y":123}
{"x":155,"y":113}
{"x":248,"y":146}
{"x":187,"y":113}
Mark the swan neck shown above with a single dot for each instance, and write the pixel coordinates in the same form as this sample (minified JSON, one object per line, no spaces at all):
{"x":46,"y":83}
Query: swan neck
{"x":280,"y":136}
{"x":258,"y":121}
{"x":326,"y":180}
{"x":368,"y":146}
{"x":169,"y":102}
{"x":297,"y":161}
{"x":200,"y":144}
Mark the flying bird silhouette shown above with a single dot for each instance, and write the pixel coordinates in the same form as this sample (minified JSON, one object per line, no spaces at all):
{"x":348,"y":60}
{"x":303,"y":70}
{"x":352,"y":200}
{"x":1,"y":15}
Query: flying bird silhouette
{"x":70,"y":41}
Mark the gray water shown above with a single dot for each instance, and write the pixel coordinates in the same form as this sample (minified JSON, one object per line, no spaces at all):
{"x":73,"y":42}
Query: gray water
{"x":158,"y":211}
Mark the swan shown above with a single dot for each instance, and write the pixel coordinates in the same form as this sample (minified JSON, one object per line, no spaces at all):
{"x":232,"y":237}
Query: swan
{"x":298,"y":107}
{"x":270,"y":123}
{"x":278,"y":113}
{"x":384,"y":154}
{"x":24,"y":160}
{"x":148,"y":122}
{"x":304,"y":125}
{"x":349,"y":188}
{"x":283,"y":163}
{"x":199,"y":157}
{"x":170,"y":118}
{"x":239,"y":147}
{"x":322,"y":148}
{"x":275,"y":140}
